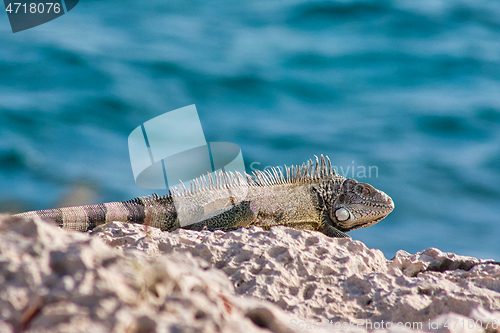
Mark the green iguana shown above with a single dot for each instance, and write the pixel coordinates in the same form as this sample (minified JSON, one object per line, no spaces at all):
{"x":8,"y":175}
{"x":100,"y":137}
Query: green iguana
{"x":311,"y":196}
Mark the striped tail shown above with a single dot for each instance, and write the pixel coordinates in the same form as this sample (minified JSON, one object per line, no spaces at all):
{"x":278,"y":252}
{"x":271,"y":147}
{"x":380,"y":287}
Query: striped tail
{"x":154,"y":211}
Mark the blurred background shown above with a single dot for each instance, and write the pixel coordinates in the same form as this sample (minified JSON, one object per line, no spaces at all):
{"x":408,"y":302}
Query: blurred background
{"x":409,"y":87}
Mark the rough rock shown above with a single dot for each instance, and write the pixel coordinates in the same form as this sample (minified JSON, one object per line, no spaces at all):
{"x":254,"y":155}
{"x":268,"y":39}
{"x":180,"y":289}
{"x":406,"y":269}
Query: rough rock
{"x":130,"y":278}
{"x":316,"y":277}
{"x":57,"y":281}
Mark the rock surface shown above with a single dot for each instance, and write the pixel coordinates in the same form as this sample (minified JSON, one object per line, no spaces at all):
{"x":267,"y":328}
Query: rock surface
{"x":129,"y":278}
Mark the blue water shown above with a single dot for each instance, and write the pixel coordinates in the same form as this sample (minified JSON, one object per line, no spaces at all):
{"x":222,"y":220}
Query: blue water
{"x":409,"y":87}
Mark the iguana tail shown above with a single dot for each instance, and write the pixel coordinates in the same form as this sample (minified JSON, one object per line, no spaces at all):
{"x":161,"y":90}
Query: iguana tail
{"x":154,"y":211}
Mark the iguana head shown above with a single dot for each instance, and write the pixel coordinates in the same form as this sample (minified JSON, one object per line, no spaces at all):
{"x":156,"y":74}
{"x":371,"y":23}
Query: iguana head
{"x":358,"y":205}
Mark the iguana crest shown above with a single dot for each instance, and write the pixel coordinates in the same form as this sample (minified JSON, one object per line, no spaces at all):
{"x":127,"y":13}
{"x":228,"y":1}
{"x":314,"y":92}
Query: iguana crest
{"x":306,"y":172}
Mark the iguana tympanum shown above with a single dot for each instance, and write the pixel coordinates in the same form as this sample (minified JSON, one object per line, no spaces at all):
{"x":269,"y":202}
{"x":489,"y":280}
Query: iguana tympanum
{"x":311,"y":196}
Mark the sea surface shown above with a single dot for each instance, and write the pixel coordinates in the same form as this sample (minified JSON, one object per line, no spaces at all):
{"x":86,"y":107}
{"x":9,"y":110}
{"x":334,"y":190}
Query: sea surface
{"x":408,"y":88}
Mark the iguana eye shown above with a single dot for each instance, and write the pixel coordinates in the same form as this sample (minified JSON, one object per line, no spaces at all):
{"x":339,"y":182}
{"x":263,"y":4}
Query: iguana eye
{"x":363,"y":190}
{"x":342,"y":214}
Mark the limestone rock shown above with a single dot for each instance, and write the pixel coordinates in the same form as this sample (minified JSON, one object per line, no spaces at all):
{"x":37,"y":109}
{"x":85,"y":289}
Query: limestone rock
{"x":57,"y":281}
{"x":316,"y":277}
{"x":131,"y":278}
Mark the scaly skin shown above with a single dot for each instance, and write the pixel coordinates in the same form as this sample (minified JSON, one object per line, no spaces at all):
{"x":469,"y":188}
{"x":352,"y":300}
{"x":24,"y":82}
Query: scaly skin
{"x":311,"y":196}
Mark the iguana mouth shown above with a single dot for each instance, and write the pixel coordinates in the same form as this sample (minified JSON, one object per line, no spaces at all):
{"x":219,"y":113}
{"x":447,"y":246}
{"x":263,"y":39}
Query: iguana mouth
{"x":363,"y":224}
{"x":379,"y":219}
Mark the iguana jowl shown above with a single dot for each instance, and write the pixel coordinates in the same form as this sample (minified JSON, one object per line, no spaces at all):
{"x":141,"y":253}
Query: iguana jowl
{"x":311,"y":196}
